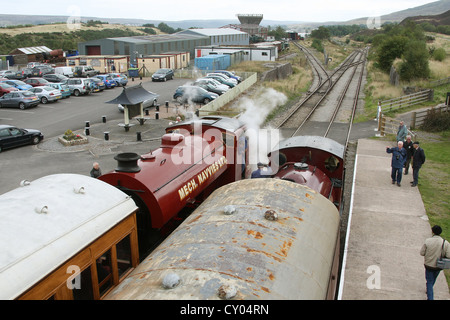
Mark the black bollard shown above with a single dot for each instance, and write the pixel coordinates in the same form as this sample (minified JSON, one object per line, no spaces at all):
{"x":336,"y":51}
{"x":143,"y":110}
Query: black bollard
{"x":87,"y":124}
{"x":167,"y":106}
{"x":86,"y":131}
{"x":138,"y":136}
{"x":104,"y":119}
{"x":106,"y":135}
{"x":156,"y":115}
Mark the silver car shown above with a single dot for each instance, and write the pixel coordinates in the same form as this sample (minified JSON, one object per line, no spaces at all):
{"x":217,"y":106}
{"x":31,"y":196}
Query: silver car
{"x":79,"y":86}
{"x":46,"y":94}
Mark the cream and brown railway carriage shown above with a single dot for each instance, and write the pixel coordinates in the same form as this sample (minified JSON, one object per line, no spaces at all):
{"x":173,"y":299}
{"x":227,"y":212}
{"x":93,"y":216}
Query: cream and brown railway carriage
{"x":65,"y":236}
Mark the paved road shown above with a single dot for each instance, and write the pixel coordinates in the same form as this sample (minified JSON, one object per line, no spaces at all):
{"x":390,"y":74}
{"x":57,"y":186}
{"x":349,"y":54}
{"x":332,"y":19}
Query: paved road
{"x":53,"y":119}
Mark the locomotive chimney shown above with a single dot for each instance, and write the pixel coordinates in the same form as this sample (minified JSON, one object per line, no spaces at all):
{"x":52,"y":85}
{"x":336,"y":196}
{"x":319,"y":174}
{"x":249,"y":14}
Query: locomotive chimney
{"x":127,"y":162}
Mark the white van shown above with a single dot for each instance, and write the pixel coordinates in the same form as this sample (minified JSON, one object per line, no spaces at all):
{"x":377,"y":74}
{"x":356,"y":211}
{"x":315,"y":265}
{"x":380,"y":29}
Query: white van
{"x":65,"y":71}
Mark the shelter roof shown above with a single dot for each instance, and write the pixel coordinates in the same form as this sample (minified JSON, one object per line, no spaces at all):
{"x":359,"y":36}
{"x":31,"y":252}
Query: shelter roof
{"x":133,"y":95}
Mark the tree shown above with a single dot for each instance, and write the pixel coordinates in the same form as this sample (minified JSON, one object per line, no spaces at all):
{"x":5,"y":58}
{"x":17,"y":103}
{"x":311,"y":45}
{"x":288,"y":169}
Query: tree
{"x":415,"y":61}
{"x":321,"y":33}
{"x":389,"y":50}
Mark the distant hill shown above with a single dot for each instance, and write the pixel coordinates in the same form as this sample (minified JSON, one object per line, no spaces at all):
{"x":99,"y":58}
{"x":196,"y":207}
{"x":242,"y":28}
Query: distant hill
{"x":436,"y":20}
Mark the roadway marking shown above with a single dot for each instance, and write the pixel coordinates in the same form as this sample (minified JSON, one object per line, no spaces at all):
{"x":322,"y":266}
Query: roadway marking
{"x":21,"y":111}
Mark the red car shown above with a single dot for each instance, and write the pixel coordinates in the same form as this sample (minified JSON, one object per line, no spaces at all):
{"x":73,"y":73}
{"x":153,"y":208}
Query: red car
{"x":6,"y":88}
{"x":36,"y":82}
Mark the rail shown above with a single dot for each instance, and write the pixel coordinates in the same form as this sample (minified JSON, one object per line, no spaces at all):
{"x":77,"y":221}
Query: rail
{"x":406,"y":101}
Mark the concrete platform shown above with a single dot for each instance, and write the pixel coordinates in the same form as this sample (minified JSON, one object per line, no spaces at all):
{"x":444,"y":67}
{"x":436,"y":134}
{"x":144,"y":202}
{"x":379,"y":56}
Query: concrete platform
{"x":386,"y":229}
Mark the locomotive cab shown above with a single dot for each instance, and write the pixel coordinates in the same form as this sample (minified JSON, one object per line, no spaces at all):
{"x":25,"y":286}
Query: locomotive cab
{"x":316,"y":162}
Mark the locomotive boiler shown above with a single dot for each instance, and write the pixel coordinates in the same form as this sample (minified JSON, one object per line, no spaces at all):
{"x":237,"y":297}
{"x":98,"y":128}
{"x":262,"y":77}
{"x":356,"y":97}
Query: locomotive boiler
{"x":269,"y":238}
{"x":195,"y":158}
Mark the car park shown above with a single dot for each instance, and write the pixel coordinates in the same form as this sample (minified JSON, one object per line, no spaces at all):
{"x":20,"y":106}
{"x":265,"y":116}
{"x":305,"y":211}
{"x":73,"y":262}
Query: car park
{"x":84,"y":72}
{"x":195,"y":94}
{"x":19,"y":99}
{"x":27,"y":72}
{"x":163,"y":74}
{"x":56,"y":78}
{"x":107,"y":80}
{"x":120,"y":79}
{"x":40,"y":70}
{"x":18,"y":84}
{"x":100,"y":85}
{"x":36,"y":82}
{"x":11,"y":136}
{"x":46,"y":94}
{"x":230,"y":74}
{"x":63,"y":88}
{"x":79,"y":86}
{"x":6,"y":88}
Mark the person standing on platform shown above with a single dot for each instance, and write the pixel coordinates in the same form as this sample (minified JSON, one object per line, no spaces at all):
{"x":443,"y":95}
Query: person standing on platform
{"x":408,"y":145}
{"x":402,"y":132}
{"x":417,"y":161}
{"x":432,"y":249}
{"x":397,"y":163}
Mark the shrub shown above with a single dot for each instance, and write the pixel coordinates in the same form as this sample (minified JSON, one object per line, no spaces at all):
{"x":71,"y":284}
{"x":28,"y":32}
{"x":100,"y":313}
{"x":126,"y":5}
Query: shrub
{"x":436,"y":121}
{"x":439,"y":54}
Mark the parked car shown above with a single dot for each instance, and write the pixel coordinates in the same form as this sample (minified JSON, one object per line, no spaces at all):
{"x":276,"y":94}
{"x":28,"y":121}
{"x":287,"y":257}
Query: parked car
{"x":64,"y":71}
{"x":221,"y":80}
{"x":224,"y":76}
{"x":152,"y":102}
{"x":63,"y":88}
{"x":107,"y":80}
{"x":11,"y":136}
{"x":214,"y":85}
{"x":19,"y":99}
{"x":100,"y":85}
{"x":18,"y":84}
{"x":119,"y":78}
{"x":162,"y":75}
{"x":36,"y":82}
{"x":79,"y":86}
{"x":53,"y":77}
{"x":40,"y":70}
{"x":196,"y":94}
{"x":6,"y":88}
{"x":230,"y":74}
{"x":84,"y":72}
{"x":27,"y":72}
{"x":46,"y":94}
{"x":93,"y":85}
{"x":13,"y":75}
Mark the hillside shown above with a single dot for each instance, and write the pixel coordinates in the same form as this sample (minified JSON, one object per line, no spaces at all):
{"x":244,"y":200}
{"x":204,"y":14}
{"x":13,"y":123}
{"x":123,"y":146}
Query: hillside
{"x":436,"y":20}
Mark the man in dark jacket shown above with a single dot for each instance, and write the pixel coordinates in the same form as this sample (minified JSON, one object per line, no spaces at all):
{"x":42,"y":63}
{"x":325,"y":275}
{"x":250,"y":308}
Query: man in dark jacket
{"x":418,"y":160}
{"x":408,"y":145}
{"x":397,"y":163}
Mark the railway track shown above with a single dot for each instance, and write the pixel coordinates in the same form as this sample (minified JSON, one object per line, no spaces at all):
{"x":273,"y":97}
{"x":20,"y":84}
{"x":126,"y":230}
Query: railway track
{"x":331,"y":103}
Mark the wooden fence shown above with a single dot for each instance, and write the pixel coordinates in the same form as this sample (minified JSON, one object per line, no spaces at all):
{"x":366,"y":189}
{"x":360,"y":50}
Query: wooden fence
{"x":418,"y":117}
{"x":387,"y":125}
{"x":406,"y":101}
{"x":440,"y":82}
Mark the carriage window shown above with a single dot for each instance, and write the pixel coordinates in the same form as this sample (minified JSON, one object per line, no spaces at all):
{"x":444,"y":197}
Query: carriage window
{"x":124,"y":255}
{"x":332,"y":163}
{"x":104,"y":272}
{"x":83,"y":290}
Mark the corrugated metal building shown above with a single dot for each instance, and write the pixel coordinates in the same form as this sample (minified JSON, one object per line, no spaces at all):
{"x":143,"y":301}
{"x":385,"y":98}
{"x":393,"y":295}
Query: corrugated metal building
{"x":140,"y":46}
{"x":183,"y":41}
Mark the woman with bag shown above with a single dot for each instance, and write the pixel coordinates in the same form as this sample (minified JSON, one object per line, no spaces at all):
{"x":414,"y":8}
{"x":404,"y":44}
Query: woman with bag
{"x":433,"y":249}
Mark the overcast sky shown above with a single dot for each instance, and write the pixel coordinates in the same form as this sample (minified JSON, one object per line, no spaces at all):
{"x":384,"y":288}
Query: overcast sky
{"x":176,"y":10}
